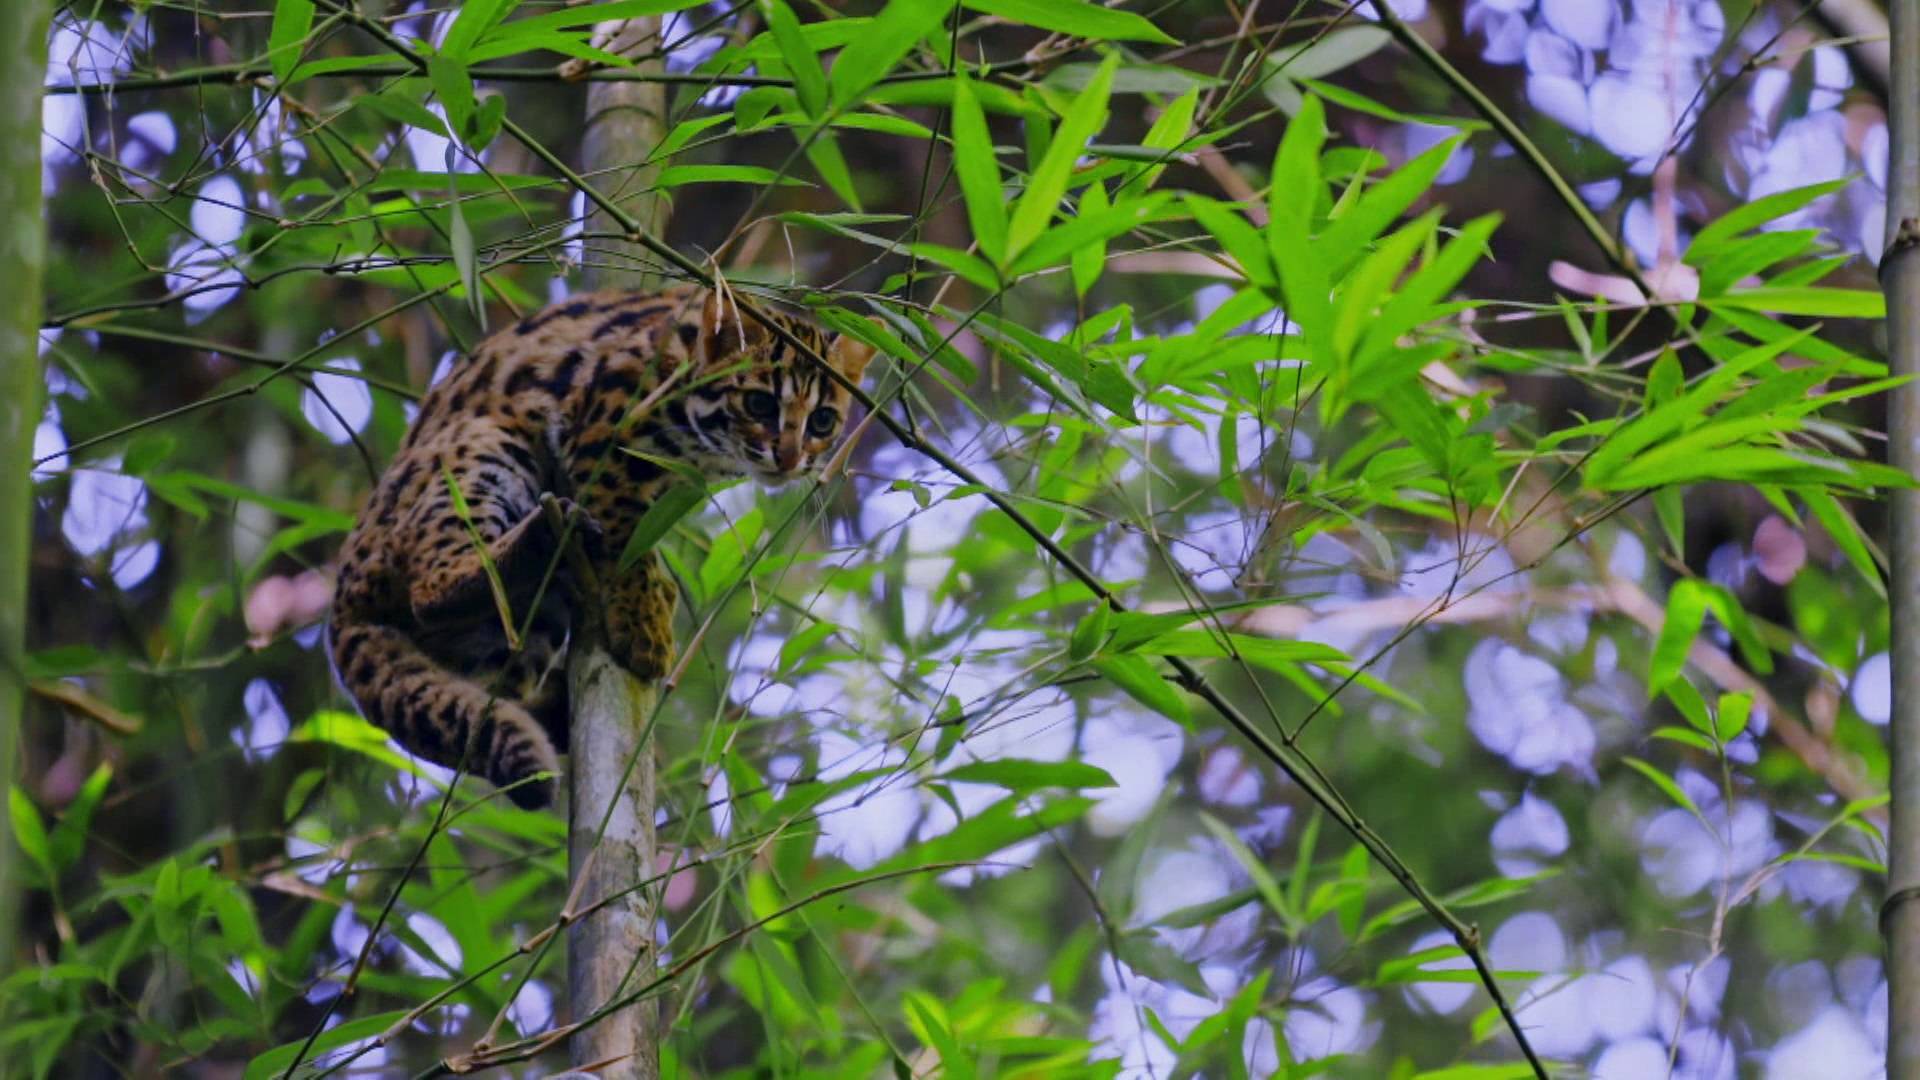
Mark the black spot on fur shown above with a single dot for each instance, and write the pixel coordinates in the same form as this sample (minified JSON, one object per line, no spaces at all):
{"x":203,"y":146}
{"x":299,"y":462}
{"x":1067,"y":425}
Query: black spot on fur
{"x":522,"y":380}
{"x":622,"y":382}
{"x":564,"y":311}
{"x":562,"y":379}
{"x":522,"y":457}
{"x":620,"y":322}
{"x":639,"y":470}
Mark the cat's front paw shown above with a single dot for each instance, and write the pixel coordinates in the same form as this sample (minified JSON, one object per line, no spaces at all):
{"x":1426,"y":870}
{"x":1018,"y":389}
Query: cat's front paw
{"x":577,"y":523}
{"x":582,"y":523}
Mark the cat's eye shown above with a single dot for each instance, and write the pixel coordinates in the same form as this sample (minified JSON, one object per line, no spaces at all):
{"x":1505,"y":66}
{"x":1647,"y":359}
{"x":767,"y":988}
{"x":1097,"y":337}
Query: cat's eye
{"x":760,"y":406}
{"x":821,"y":422}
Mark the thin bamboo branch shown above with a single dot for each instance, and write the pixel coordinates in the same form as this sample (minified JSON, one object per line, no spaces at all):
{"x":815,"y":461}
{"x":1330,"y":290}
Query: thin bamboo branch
{"x":1865,"y":27}
{"x":23,"y":250}
{"x":260,"y":75}
{"x":1900,"y":276}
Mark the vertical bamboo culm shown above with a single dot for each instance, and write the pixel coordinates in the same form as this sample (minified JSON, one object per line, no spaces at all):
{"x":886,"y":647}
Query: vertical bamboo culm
{"x":23,"y":250}
{"x":1900,"y":276}
{"x":612,"y":950}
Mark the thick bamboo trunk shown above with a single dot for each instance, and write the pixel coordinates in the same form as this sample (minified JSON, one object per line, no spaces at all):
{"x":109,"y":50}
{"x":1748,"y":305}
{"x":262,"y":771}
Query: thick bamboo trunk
{"x":610,"y":768}
{"x":23,"y":251}
{"x":1900,"y":275}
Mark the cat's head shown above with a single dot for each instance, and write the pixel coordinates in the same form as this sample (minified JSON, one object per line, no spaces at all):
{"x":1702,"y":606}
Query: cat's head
{"x":754,"y":404}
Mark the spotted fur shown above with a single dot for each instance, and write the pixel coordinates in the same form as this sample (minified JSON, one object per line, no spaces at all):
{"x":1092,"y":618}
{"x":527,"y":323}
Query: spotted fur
{"x":553,"y":405}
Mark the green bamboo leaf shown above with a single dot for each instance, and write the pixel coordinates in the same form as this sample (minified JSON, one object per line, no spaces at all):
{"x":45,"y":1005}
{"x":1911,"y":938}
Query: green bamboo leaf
{"x":1293,"y":195}
{"x":487,"y":122}
{"x":575,"y":45}
{"x":1090,"y":21}
{"x":971,"y":268}
{"x":679,"y":175}
{"x":292,"y":20}
{"x":1686,"y":610}
{"x":467,"y":261}
{"x":1147,"y":954}
{"x":146,"y":451}
{"x":1091,"y":633}
{"x":69,"y":837}
{"x":888,"y":38}
{"x":1048,"y":182}
{"x":1207,"y":912}
{"x":1685,"y":737}
{"x":803,"y":64}
{"x":1347,"y":235}
{"x":1665,"y":783}
{"x":1236,"y":237}
{"x":1511,"y":1070}
{"x":668,"y":508}
{"x":979,"y":169}
{"x":30,"y":832}
{"x":1169,"y":132}
{"x":584,"y":15}
{"x":1732,"y":716}
{"x":1743,"y":464}
{"x":1693,"y":707}
{"x":1662,"y":423}
{"x":1088,"y":232}
{"x":277,"y":1061}
{"x":1818,"y":300}
{"x":1263,"y":880}
{"x":1358,"y":102}
{"x":1415,"y":301}
{"x":454,"y":87}
{"x":1022,"y":777}
{"x":824,"y":152}
{"x":475,"y":19}
{"x":306,"y":513}
{"x":1339,"y":48}
{"x":1754,"y":214}
{"x":1739,"y":259}
{"x":1727,"y":608}
{"x":1373,"y":280}
{"x":994,"y":829}
{"x":1260,"y":650}
{"x":1137,"y":678}
{"x":727,"y":555}
{"x":1846,"y":532}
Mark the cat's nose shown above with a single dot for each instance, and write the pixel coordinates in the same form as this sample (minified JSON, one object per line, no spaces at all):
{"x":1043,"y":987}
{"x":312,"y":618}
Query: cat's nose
{"x":788,"y":457}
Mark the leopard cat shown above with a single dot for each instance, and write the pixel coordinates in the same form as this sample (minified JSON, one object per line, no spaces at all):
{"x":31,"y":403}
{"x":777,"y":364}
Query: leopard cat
{"x":581,"y":400}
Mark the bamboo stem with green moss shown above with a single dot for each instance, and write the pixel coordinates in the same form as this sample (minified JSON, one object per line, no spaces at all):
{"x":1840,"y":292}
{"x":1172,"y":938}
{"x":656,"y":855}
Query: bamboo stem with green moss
{"x":1900,"y":276}
{"x":23,"y":249}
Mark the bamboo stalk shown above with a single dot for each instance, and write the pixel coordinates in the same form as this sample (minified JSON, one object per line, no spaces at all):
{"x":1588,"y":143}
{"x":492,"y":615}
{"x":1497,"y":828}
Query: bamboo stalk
{"x":23,"y":250}
{"x":625,"y":121}
{"x":1900,"y":276}
{"x":611,"y":843}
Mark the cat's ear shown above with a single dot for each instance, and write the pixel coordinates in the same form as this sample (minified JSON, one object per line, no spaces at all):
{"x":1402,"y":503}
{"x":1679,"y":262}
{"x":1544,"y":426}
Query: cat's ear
{"x":849,"y":355}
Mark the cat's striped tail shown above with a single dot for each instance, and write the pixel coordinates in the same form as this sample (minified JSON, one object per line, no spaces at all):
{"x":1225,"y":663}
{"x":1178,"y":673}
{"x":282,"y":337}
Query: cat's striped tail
{"x":439,"y":715}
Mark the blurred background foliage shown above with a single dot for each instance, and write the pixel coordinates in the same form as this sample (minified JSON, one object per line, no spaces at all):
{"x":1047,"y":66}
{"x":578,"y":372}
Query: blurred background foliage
{"x":1246,"y":313}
